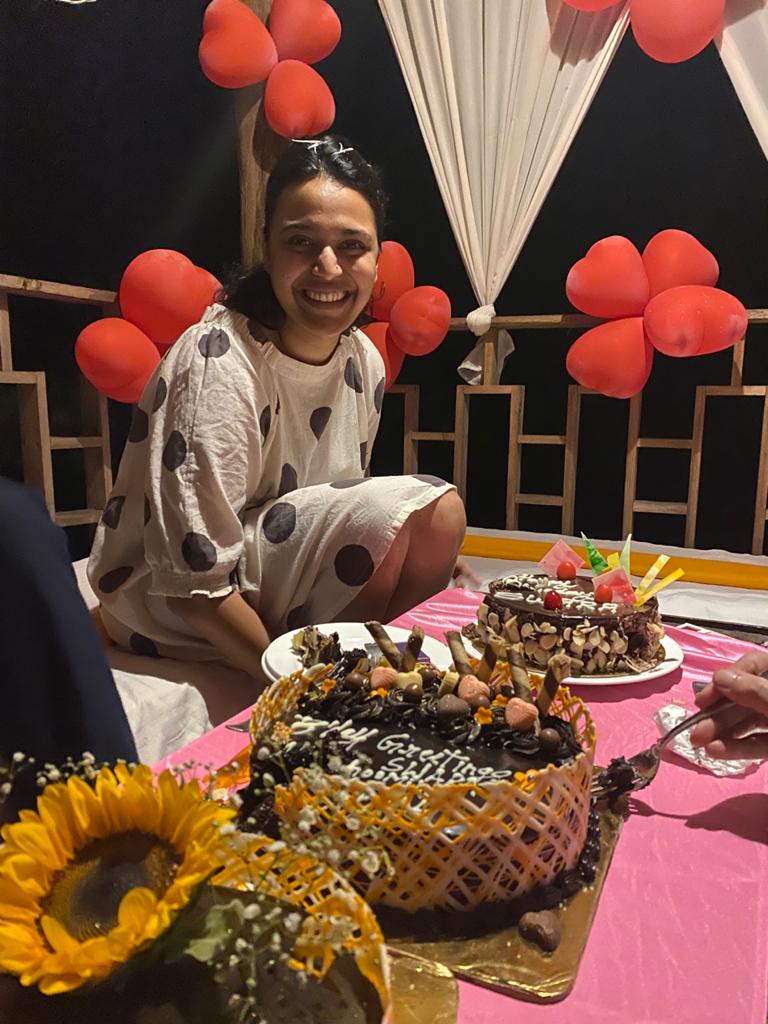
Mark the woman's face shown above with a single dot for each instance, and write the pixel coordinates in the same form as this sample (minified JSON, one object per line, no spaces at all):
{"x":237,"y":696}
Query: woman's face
{"x":322,"y":252}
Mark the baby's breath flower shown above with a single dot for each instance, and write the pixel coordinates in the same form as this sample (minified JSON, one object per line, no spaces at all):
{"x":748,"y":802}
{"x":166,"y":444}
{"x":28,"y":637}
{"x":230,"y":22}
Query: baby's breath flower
{"x":370,"y":862}
{"x":292,"y":922}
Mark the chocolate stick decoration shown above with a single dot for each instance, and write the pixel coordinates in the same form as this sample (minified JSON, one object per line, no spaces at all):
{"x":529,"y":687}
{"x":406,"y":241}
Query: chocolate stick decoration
{"x":412,"y":649}
{"x":384,"y":643}
{"x":458,"y":653}
{"x":518,"y":673}
{"x":487,"y":663}
{"x":558,"y":668}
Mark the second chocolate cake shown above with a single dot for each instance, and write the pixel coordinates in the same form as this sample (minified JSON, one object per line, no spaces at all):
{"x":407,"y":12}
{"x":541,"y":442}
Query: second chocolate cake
{"x":549,"y":616}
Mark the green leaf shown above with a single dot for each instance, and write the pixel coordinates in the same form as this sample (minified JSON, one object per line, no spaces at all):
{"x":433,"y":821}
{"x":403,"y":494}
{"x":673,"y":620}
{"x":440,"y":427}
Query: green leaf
{"x":221,"y":925}
{"x":596,"y":560}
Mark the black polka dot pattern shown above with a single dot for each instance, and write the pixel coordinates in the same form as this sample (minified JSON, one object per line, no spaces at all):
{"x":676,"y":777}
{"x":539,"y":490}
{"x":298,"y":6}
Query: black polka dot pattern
{"x":198,"y":552}
{"x":353,"y":565}
{"x":318,"y":421}
{"x":257,"y":332}
{"x":341,"y":485}
{"x":265,"y":421}
{"x":147,"y":510}
{"x":114,"y":579}
{"x":289,"y":481}
{"x":352,"y":376}
{"x":141,"y":644}
{"x":214,"y":344}
{"x":175,"y":451}
{"x":112,"y":512}
{"x":363,"y":454}
{"x":427,"y":479}
{"x":297,"y":617}
{"x":161,"y":392}
{"x":378,"y":395}
{"x":139,"y":426}
{"x":280,"y":522}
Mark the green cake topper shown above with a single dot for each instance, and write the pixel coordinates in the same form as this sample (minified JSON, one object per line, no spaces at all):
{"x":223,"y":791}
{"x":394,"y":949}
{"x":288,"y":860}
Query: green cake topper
{"x":596,"y":560}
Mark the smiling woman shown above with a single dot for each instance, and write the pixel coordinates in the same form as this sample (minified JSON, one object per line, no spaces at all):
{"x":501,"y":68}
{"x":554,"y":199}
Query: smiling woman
{"x":243,"y":507}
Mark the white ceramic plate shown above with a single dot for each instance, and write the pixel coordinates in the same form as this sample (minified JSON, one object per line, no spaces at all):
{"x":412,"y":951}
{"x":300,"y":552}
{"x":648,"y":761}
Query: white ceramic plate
{"x":279,"y":659}
{"x":673,"y":658}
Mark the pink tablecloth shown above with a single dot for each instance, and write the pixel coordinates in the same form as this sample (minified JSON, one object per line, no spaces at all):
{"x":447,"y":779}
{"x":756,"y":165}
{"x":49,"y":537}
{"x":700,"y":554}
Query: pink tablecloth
{"x":681,"y":932}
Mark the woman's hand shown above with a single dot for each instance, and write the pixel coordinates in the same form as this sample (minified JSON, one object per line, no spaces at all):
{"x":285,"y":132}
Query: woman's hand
{"x":745,"y":734}
{"x":463,"y":574}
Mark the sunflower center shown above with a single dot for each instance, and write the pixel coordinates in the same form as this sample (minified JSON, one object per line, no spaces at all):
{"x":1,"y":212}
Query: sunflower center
{"x":85,"y":897}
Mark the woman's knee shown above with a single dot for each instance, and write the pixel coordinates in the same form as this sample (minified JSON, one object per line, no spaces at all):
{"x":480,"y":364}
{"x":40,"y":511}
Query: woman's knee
{"x":443,"y":523}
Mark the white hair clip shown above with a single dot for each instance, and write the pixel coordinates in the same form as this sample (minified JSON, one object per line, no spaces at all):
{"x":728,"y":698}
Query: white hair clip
{"x":314,"y":143}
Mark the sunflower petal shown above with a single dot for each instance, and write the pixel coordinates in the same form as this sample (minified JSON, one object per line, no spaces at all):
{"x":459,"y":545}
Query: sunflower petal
{"x":57,"y":935}
{"x":136,"y":907}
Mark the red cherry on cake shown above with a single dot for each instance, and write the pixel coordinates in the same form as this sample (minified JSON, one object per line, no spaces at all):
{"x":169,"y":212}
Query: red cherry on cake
{"x":552,"y":601}
{"x":566,"y":571}
{"x":603,"y":594}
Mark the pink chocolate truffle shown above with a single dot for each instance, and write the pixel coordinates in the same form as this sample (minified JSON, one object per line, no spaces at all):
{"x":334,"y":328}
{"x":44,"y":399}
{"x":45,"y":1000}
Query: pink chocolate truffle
{"x":383,"y":678}
{"x":471,"y":689}
{"x":521,"y":715}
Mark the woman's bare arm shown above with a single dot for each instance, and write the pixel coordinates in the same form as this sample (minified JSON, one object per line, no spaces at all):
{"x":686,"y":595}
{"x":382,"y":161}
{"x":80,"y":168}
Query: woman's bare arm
{"x":230,"y":625}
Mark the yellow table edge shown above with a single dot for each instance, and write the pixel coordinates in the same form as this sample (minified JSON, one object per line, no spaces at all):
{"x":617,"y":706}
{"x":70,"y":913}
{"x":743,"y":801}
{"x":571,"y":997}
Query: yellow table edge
{"x":697,"y":570}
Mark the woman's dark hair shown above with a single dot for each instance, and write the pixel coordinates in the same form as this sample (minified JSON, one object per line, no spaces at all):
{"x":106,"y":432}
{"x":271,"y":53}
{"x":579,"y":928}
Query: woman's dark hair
{"x":331,"y":156}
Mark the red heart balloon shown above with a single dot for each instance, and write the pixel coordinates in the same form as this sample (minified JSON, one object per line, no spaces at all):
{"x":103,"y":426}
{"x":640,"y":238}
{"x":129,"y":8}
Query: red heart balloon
{"x":671,"y":31}
{"x":297,"y":101}
{"x":420,"y":320}
{"x":591,"y":5}
{"x":674,"y":257}
{"x":694,"y":320}
{"x":614,"y":358}
{"x":610,"y":281}
{"x":163,"y":293}
{"x":236,"y":49}
{"x":116,"y":357}
{"x":394,"y":277}
{"x":305,"y":30}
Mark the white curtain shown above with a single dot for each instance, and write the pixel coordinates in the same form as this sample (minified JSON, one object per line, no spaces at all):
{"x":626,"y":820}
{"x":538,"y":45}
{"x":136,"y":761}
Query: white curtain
{"x":744,"y":49}
{"x":500,"y":88}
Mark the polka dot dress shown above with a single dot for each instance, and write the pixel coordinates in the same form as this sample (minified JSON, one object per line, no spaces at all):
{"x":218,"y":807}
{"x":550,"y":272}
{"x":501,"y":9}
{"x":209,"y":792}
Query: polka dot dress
{"x":245,"y":470}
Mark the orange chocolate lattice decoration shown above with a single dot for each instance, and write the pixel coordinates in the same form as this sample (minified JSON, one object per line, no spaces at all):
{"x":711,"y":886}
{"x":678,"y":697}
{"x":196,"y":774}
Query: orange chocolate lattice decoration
{"x":454,"y":845}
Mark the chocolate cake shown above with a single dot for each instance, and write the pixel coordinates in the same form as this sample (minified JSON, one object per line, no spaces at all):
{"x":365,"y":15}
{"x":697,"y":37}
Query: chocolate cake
{"x":474,"y":782}
{"x":548,"y":616}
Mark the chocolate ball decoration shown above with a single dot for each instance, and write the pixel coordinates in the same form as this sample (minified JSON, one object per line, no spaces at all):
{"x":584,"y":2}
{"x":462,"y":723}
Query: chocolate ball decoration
{"x":549,"y":741}
{"x":428,"y":675}
{"x":413,"y":693}
{"x":451,"y":706}
{"x":354,"y":682}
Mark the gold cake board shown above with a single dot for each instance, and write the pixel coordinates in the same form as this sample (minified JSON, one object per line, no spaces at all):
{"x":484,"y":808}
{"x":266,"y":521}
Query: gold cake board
{"x":422,"y":991}
{"x":505,"y":962}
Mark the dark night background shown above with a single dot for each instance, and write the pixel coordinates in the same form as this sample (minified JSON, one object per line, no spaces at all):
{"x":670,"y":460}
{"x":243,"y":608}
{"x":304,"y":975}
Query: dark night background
{"x":113,"y":142}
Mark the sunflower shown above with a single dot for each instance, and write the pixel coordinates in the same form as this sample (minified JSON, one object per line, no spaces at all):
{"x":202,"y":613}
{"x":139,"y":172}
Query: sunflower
{"x":98,"y":873}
